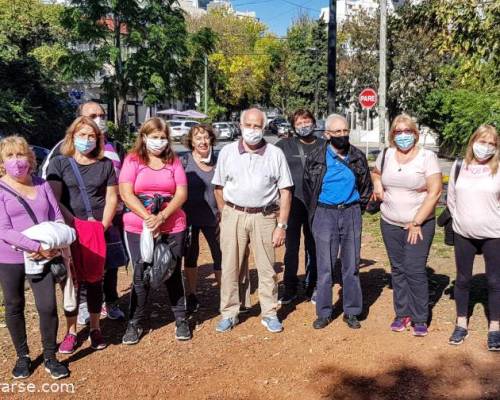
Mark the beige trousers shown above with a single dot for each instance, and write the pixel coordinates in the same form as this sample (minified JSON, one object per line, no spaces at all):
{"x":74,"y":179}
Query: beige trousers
{"x":238,"y":230}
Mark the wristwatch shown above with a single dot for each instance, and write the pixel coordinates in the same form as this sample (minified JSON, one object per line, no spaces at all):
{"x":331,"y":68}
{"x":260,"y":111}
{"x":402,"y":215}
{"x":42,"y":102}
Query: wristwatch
{"x":282,"y":226}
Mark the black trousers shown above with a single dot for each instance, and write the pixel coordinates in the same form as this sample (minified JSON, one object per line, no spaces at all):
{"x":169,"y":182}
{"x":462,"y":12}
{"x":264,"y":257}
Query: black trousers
{"x":12,"y":278}
{"x":140,"y":291}
{"x":409,"y":278}
{"x":212,"y":235}
{"x":298,"y":222}
{"x":90,"y":293}
{"x":465,"y":251}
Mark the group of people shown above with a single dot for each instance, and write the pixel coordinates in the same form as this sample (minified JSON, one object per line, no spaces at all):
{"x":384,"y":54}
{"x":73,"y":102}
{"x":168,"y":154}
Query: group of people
{"x":253,"y":194}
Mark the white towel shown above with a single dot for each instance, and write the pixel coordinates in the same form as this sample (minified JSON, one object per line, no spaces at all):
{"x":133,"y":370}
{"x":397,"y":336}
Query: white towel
{"x":51,"y":235}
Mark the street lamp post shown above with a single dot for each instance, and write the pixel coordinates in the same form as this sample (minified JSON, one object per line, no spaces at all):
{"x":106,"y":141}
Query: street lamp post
{"x":315,"y":51}
{"x":332,"y":55}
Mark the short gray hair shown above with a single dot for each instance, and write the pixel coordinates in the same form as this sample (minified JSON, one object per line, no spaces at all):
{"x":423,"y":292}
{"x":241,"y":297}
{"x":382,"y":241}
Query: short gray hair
{"x":333,"y":117}
{"x":264,"y":116}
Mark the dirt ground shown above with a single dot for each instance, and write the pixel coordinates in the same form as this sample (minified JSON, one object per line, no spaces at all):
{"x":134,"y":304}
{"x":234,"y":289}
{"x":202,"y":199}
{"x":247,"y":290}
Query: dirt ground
{"x":299,"y":363}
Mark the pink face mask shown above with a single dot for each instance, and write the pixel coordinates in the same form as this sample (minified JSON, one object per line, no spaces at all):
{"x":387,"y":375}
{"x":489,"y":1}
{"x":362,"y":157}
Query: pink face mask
{"x":17,"y":167}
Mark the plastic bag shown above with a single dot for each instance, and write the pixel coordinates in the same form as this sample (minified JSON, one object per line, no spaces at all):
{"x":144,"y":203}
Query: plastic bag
{"x":147,"y":244}
{"x":68,"y":287}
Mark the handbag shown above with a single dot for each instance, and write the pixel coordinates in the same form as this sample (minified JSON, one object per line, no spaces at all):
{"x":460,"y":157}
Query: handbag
{"x":116,"y":255}
{"x":373,"y":206}
{"x":57,"y":267}
{"x":163,"y":266}
{"x":445,"y":220}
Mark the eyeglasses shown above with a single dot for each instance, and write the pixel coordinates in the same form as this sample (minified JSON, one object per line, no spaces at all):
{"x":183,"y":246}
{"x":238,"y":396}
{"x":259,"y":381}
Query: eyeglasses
{"x":405,"y":131}
{"x":339,"y":132}
{"x":94,"y":116}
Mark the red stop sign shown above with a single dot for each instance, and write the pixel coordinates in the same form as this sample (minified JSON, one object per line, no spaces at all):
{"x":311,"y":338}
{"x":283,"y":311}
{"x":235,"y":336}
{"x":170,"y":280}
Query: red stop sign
{"x":368,"y":98}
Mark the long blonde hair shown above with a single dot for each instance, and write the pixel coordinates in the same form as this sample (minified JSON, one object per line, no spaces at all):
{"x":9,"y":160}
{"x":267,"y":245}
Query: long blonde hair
{"x":480,"y":132}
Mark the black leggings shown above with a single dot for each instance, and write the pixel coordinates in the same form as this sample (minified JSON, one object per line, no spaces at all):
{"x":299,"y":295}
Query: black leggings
{"x":92,"y":295}
{"x":211,"y":234}
{"x":12,"y":278}
{"x":465,"y":251}
{"x":140,"y":291}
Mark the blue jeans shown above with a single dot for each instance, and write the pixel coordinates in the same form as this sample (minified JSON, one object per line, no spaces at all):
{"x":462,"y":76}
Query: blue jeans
{"x":334,"y":230}
{"x":298,"y":222}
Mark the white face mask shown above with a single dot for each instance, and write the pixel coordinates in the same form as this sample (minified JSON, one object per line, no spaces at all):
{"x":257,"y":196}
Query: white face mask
{"x":156,"y":146}
{"x":252,"y":136}
{"x":101,"y":124}
{"x":483,"y":152}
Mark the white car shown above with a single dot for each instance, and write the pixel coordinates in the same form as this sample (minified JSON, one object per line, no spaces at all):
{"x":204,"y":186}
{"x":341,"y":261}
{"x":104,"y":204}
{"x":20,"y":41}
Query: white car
{"x":181,"y":127}
{"x":223,"y":130}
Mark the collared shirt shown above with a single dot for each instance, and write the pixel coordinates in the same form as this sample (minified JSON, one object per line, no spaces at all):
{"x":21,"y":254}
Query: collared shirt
{"x":339,"y":182}
{"x":252,"y":179}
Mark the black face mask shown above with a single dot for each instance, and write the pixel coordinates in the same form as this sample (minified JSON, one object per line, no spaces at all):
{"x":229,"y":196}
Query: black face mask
{"x":340,"y":142}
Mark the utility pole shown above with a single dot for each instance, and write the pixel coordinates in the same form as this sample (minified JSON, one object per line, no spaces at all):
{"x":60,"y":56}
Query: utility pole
{"x":332,"y":55}
{"x":205,"y":89}
{"x":382,"y":73}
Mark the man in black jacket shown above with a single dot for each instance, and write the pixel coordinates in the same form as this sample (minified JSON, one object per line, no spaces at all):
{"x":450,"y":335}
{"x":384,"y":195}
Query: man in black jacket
{"x":337,"y":187}
{"x":296,"y":150}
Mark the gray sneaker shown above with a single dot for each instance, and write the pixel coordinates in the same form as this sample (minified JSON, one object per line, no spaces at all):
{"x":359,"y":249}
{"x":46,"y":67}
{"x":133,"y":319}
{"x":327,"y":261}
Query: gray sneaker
{"x":83,"y":315}
{"x":132,"y":334}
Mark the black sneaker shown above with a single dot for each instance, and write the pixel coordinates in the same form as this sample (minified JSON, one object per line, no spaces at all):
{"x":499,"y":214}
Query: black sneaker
{"x":321,"y":323}
{"x":458,"y":336}
{"x":494,"y":341}
{"x":351,"y":321}
{"x":55,"y":369}
{"x":287,"y":298}
{"x":182,"y":331}
{"x":192,"y":303}
{"x":22,"y":369}
{"x":132,"y":334}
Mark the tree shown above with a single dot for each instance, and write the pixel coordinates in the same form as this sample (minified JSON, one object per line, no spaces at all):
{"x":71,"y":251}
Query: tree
{"x":244,"y":59}
{"x":140,"y":45}
{"x":31,"y":103}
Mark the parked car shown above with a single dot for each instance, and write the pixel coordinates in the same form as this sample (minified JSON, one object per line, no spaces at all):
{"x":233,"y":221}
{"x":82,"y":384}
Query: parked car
{"x":272,"y":126}
{"x":237,"y":129}
{"x":181,"y":127}
{"x":40,"y":153}
{"x":224,"y":130}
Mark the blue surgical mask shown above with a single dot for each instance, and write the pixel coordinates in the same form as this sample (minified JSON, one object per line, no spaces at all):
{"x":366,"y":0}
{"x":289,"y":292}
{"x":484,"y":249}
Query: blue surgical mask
{"x":84,"y":146}
{"x":405,"y":141}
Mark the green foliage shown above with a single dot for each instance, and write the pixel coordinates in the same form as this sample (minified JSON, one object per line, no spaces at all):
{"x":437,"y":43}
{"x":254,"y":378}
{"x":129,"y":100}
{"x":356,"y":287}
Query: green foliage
{"x":457,"y":113}
{"x":141,"y":46}
{"x":31,"y":104}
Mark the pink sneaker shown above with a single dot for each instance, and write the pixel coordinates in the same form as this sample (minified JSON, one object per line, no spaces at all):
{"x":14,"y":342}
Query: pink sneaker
{"x":104,"y":311}
{"x":97,"y":340}
{"x":68,"y":344}
{"x":400,"y":324}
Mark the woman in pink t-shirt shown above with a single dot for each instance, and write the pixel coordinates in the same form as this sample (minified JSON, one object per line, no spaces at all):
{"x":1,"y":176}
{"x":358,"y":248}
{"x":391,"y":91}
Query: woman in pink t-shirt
{"x":409,"y":187}
{"x":153,"y":172}
{"x":474,"y":203}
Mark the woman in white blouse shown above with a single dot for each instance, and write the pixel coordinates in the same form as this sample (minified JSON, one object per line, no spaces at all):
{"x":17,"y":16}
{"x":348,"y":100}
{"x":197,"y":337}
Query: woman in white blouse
{"x":474,"y":203}
{"x":409,"y":187}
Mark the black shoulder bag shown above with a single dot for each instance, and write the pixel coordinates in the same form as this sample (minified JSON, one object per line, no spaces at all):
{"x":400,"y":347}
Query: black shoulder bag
{"x":373,"y":206}
{"x":57,"y":267}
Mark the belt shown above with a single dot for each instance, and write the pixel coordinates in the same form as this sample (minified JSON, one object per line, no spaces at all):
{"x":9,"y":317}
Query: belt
{"x":338,"y":206}
{"x":255,"y":210}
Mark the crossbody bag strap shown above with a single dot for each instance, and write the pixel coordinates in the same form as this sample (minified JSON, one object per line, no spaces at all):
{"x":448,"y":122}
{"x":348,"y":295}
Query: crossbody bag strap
{"x":83,"y":189}
{"x":384,"y":152}
{"x":458,"y":167}
{"x":23,"y":202}
{"x":301,"y":154}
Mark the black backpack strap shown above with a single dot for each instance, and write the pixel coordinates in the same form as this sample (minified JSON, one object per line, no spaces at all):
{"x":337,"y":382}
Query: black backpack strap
{"x":23,"y":202}
{"x":384,"y":152}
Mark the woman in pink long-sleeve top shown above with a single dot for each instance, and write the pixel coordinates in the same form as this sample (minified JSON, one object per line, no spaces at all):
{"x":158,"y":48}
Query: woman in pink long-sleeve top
{"x":17,"y":162}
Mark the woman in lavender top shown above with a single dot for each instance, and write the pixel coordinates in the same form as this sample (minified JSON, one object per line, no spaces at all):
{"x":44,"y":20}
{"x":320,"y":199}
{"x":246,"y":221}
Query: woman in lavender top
{"x":17,"y":163}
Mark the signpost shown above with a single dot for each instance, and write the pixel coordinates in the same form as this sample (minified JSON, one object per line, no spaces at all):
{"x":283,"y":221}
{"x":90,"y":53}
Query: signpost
{"x":368,"y":99}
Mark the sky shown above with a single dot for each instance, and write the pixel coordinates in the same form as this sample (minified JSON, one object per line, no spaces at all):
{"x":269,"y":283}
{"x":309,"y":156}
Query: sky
{"x":279,"y":14}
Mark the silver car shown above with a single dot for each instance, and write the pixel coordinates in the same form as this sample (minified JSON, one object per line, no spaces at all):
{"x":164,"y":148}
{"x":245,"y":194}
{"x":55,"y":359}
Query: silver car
{"x":223,"y":130}
{"x":181,"y":127}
